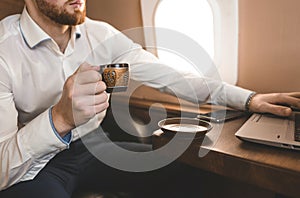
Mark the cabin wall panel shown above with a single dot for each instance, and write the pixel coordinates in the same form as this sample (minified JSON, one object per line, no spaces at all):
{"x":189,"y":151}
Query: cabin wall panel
{"x":269,"y":45}
{"x":122,"y":14}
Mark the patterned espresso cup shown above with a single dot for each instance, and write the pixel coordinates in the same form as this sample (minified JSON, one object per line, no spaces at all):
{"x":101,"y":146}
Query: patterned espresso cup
{"x":115,"y":76}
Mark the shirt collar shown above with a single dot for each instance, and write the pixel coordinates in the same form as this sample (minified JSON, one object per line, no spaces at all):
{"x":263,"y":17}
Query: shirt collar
{"x":33,"y":34}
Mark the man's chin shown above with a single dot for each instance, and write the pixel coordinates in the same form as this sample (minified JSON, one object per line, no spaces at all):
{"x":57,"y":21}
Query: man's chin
{"x":76,"y":18}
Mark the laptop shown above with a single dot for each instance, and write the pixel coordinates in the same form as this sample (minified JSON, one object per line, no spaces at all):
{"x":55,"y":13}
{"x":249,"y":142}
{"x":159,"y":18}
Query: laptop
{"x":272,"y":130}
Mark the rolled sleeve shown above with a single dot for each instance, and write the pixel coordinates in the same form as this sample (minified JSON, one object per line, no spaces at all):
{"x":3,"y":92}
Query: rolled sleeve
{"x":39,"y":138}
{"x":67,"y":138}
{"x":230,"y":95}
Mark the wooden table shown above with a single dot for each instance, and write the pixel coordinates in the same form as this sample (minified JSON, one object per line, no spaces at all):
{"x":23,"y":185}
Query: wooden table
{"x":274,"y":169}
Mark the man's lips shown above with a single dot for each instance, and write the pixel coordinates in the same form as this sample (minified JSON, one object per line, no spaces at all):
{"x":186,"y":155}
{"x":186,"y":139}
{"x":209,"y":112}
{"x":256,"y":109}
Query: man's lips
{"x":76,"y":3}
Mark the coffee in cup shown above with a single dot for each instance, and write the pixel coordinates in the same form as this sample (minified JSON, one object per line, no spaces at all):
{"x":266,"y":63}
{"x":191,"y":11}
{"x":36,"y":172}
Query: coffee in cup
{"x":115,"y":76}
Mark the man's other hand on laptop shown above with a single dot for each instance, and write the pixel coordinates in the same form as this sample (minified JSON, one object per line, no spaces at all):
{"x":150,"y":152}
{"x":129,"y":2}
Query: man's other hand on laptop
{"x":276,"y":103}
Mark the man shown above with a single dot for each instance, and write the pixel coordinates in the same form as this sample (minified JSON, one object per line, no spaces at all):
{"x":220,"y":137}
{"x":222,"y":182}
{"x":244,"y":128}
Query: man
{"x":49,"y":85}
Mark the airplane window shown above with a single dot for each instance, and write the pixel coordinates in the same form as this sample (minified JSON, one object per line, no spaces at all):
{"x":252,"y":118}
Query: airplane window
{"x":194,"y":18}
{"x":211,"y":23}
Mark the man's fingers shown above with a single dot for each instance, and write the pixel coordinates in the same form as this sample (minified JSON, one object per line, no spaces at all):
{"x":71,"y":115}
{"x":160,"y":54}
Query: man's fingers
{"x":89,"y":76}
{"x":276,"y":109}
{"x":284,"y":99}
{"x":89,"y":101}
{"x":85,"y":67}
{"x":91,"y":105}
{"x":91,"y":89}
{"x":294,"y":94}
{"x":290,"y":100}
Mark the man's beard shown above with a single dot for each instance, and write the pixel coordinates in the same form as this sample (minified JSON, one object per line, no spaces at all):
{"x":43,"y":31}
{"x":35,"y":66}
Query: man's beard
{"x":60,"y":15}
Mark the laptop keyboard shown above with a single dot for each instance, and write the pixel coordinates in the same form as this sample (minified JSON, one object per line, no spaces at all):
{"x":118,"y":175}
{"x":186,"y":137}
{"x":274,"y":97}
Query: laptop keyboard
{"x":297,"y":127}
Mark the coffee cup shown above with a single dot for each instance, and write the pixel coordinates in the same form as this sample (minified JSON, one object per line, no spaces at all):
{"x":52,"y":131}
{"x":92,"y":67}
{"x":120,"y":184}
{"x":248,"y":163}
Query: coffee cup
{"x":115,"y":76}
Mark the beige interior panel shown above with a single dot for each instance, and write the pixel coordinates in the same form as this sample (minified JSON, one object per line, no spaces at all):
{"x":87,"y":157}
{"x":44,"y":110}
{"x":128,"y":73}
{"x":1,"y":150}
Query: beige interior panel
{"x":123,"y":14}
{"x":8,"y":7}
{"x":269,"y":45}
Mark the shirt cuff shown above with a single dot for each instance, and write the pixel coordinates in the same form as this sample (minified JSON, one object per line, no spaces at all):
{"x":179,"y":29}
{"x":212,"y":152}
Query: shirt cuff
{"x":67,"y":138}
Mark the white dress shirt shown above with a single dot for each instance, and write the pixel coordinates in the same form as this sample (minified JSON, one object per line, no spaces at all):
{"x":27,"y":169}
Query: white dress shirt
{"x":32,"y":74}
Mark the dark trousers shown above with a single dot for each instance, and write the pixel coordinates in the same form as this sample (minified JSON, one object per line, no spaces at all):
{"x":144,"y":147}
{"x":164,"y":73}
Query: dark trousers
{"x":75,"y":170}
